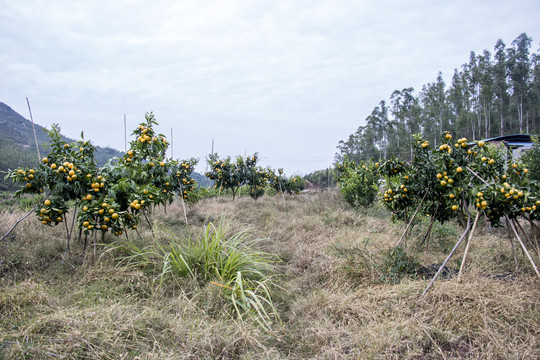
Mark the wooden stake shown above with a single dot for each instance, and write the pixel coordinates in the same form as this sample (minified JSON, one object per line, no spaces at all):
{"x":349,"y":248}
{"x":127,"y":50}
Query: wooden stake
{"x":523,"y":247}
{"x":469,"y":239}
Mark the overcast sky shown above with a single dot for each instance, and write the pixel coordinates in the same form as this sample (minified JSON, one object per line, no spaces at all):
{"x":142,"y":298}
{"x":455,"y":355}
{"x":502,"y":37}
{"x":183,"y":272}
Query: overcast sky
{"x":286,"y":79}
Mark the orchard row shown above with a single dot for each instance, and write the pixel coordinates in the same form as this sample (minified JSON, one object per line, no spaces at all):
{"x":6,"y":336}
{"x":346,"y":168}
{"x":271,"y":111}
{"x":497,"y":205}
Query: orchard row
{"x":115,"y":196}
{"x":446,"y":182}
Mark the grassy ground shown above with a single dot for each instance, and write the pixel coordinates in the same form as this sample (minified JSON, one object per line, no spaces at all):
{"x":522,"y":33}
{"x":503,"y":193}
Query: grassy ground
{"x":340,"y":292}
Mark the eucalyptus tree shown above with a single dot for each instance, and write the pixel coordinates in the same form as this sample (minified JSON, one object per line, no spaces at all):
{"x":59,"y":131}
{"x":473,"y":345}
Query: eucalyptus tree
{"x":500,"y":83}
{"x":519,"y":66}
{"x":486,"y":95}
{"x":434,"y":106}
{"x":406,"y":110}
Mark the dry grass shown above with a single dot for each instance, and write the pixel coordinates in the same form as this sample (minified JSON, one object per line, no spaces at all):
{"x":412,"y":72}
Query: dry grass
{"x":333,"y":302}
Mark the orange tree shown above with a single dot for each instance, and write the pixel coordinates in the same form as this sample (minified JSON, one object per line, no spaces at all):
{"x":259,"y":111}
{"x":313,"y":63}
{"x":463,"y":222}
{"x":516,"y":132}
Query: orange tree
{"x":358,"y":183}
{"x":283,"y":184}
{"x":110,"y":198}
{"x":443,"y":183}
{"x":232,"y":175}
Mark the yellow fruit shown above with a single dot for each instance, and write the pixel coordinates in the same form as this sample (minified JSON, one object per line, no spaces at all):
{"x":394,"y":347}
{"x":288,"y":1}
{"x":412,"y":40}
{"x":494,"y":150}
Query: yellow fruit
{"x":114,"y":216}
{"x":137,"y":206}
{"x":43,"y":210}
{"x":111,"y":211}
{"x":104,"y":227}
{"x":86,"y":224}
{"x":88,"y":197}
{"x":448,"y":136}
{"x":106,"y":219}
{"x":491,"y":161}
{"x":525,"y":170}
{"x":450,"y":181}
{"x":451,"y":196}
{"x":162,"y":164}
{"x":439,"y":176}
{"x":459,"y":169}
{"x":454,"y":207}
{"x":47,"y":202}
{"x":484,"y":158}
{"x":443,"y":183}
{"x":520,"y":194}
{"x":85,"y":208}
{"x":514,"y":165}
{"x":484,"y":203}
{"x":59,"y":219}
{"x":45,"y":160}
{"x":481,"y":143}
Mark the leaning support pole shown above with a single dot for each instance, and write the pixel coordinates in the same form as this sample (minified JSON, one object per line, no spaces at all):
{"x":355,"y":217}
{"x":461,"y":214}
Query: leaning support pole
{"x":410,"y":222}
{"x":449,"y":256}
{"x":534,"y":244}
{"x":469,"y":239}
{"x":523,"y":246}
{"x":21,"y":219}
{"x":183,"y":203}
{"x":17,"y":223}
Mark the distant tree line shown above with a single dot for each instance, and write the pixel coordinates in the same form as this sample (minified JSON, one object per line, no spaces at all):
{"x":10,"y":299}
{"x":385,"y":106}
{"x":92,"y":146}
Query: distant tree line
{"x":322,"y":178}
{"x":493,"y":94}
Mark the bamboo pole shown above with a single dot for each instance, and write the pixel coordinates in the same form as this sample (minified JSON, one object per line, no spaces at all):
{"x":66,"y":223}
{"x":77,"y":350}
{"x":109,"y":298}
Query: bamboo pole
{"x":514,"y":253}
{"x":469,"y":239}
{"x":34,"y":128}
{"x":449,"y":256}
{"x":17,"y":223}
{"x":410,"y":222}
{"x":523,"y":247}
{"x":533,"y":244}
{"x":183,"y":203}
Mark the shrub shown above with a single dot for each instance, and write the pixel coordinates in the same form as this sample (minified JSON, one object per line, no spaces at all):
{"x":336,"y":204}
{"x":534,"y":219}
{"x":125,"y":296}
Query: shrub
{"x":358,"y":183}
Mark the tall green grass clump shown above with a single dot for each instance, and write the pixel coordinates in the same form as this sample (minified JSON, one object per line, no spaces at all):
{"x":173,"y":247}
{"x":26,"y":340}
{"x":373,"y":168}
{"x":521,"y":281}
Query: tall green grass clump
{"x":217,"y":258}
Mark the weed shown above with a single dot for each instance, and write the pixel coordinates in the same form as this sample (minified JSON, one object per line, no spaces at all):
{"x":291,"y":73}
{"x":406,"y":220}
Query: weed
{"x":397,"y":264}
